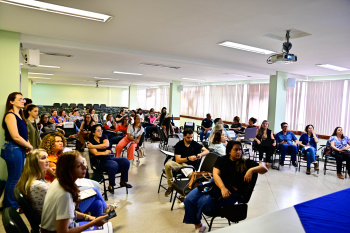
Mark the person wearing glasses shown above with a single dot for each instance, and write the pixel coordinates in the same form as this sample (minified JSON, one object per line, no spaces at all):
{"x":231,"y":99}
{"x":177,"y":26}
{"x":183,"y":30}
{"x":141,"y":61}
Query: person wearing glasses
{"x":287,"y":143}
{"x":16,"y":144}
{"x":47,"y":127}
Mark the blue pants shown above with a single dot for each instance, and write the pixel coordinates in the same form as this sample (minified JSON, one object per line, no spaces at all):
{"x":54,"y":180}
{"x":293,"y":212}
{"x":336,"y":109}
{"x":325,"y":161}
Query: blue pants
{"x":201,"y":134}
{"x":95,"y":205}
{"x":116,"y":165}
{"x":310,"y":155}
{"x":14,"y":157}
{"x":114,"y":140}
{"x":292,"y":149}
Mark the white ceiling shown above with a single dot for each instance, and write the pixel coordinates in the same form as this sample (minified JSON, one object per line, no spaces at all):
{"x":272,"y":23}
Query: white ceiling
{"x":182,"y":33}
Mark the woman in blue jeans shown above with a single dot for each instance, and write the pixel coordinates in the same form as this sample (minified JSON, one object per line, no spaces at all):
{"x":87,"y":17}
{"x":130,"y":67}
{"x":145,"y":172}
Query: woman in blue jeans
{"x":231,"y":174}
{"x":99,"y":146}
{"x":308,"y":141}
{"x":16,"y":144}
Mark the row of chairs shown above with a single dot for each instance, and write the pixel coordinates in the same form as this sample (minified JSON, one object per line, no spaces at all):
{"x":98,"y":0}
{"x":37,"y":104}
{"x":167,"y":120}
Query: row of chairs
{"x":80,"y":106}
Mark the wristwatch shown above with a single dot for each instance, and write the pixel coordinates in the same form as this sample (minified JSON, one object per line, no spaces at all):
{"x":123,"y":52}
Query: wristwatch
{"x":188,"y":159}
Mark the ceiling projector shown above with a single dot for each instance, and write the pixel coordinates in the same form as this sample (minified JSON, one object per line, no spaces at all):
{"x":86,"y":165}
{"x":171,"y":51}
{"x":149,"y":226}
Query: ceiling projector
{"x":285,"y":57}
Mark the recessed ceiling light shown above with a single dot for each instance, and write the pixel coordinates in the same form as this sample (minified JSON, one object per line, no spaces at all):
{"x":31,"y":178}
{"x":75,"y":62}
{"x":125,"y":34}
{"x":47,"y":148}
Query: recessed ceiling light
{"x":193,"y":79}
{"x":94,"y":81}
{"x":47,"y":66}
{"x":332,"y":67}
{"x":103,"y":78}
{"x":119,"y":72}
{"x":63,"y":10}
{"x":39,"y":73}
{"x":156,"y":82}
{"x":38,"y":78}
{"x":239,"y":75}
{"x":245,"y":47}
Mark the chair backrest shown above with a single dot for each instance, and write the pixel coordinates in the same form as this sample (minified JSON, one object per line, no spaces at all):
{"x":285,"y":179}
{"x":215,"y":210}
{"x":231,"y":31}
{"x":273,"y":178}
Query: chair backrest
{"x":94,"y":163}
{"x":81,"y":106}
{"x":103,"y":107}
{"x":64,"y":105}
{"x":88,"y":106}
{"x":72,"y":105}
{"x":96,"y":106}
{"x":56,"y":106}
{"x":33,"y":218}
{"x":209,"y":162}
{"x":141,"y":140}
{"x":189,"y":124}
{"x":13,"y":222}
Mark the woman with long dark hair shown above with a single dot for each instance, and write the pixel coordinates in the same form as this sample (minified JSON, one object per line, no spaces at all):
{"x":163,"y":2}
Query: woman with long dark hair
{"x":16,"y":144}
{"x":341,"y":145}
{"x":265,"y":142}
{"x":120,"y":116}
{"x":32,"y":127}
{"x":161,"y":116}
{"x":308,"y":141}
{"x":62,"y":197}
{"x":231,"y":173}
{"x":85,"y":131}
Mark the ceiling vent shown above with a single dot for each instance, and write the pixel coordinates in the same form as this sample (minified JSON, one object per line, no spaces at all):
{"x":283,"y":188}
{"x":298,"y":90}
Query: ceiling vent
{"x":160,"y":65}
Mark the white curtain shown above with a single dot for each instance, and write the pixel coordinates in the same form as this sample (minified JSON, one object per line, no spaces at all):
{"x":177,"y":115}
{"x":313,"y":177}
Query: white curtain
{"x":153,"y":98}
{"x":257,"y":102}
{"x":345,"y":120}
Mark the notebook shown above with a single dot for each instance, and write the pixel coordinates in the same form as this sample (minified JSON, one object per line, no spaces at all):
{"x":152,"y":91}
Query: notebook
{"x":87,"y":193}
{"x":250,"y":133}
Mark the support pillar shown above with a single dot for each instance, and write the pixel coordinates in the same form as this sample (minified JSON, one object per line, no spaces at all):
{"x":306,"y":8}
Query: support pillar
{"x":132,"y":97}
{"x":175,"y":101}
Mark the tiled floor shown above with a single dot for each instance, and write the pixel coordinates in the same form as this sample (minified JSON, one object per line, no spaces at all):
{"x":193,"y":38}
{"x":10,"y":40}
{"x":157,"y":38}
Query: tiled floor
{"x":144,"y":210}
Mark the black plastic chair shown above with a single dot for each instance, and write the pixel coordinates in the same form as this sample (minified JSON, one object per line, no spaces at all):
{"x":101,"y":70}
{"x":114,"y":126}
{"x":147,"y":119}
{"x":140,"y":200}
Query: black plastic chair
{"x":233,"y":213}
{"x":64,"y":106}
{"x":287,"y":158}
{"x":88,"y":106}
{"x":80,"y":106}
{"x":330,"y":163}
{"x":33,"y":218}
{"x":13,"y":222}
{"x":72,"y":105}
{"x":57,"y":106}
{"x":96,"y":107}
{"x":302,"y":160}
{"x":103,"y":107}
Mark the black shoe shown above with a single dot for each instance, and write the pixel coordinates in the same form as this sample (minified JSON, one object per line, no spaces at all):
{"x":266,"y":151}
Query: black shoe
{"x":111,"y":189}
{"x":168,"y":191}
{"x":282,"y":163}
{"x":129,"y":186}
{"x":295,"y":164}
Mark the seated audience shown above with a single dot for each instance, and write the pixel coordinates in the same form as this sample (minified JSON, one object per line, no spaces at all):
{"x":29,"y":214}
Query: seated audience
{"x":161,"y":116}
{"x":140,"y":113}
{"x":308,"y":141}
{"x":99,"y":146}
{"x":251,"y":122}
{"x":341,"y":146}
{"x":167,"y":127}
{"x":119,"y":117}
{"x":33,"y":186}
{"x":219,"y":142}
{"x":32,"y":127}
{"x":132,"y":116}
{"x":54,"y":119}
{"x":109,"y":123}
{"x":236,"y":126}
{"x":72,"y":111}
{"x":85,"y":130}
{"x":62,"y":116}
{"x":287,"y":143}
{"x":132,"y":139}
{"x":219,"y":120}
{"x":123,"y":127}
{"x":217,"y":126}
{"x":265,"y":143}
{"x":58,"y":213}
{"x":47,"y":127}
{"x":94,"y":116}
{"x":152,"y":125}
{"x":206,"y":127}
{"x":187,"y":152}
{"x":231,"y":174}
{"x":76,"y":118}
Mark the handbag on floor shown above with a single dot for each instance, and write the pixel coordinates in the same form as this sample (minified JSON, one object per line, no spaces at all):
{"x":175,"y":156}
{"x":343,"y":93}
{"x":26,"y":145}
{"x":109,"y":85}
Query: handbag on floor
{"x":141,"y":152}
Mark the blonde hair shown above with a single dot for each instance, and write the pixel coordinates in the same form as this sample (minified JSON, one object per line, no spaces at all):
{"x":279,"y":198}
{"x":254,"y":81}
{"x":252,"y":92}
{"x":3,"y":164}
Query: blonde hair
{"x":218,"y":126}
{"x":31,"y":172}
{"x":48,"y":142}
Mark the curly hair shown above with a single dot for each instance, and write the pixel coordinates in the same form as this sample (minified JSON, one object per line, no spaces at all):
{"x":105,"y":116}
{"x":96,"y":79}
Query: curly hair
{"x":48,"y":142}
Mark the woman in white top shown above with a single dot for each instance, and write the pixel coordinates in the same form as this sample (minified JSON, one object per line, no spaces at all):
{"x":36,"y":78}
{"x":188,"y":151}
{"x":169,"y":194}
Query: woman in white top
{"x":63,"y":195}
{"x":219,"y":143}
{"x":133,"y":136}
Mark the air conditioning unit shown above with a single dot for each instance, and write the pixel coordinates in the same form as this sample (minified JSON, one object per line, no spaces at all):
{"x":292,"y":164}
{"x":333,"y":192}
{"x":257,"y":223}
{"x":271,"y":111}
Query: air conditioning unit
{"x":31,"y":57}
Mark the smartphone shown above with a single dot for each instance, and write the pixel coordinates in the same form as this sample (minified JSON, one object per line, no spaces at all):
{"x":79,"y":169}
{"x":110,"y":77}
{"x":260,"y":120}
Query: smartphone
{"x":111,"y":214}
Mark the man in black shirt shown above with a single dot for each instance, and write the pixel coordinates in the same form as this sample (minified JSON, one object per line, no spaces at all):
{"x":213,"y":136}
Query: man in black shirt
{"x":206,"y":127}
{"x":187,"y":152}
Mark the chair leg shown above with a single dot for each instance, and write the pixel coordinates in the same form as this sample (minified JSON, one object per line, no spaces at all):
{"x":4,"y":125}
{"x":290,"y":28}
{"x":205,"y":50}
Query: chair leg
{"x":172,"y":206}
{"x":229,"y":223}
{"x":160,"y":182}
{"x":211,"y":223}
{"x":105,"y":190}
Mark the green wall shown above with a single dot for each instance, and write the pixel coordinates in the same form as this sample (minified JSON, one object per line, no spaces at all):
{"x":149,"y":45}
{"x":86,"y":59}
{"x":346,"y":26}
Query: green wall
{"x":47,"y":94}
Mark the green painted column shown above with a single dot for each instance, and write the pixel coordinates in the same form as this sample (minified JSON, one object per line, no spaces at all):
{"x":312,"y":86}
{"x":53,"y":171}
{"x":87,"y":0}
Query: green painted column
{"x":175,"y":101}
{"x":9,"y":76}
{"x":24,"y":83}
{"x":277,"y":100}
{"x":132,"y":97}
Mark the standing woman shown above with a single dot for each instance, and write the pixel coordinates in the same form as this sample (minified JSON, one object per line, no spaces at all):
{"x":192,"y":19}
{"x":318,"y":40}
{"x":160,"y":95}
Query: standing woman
{"x":16,"y":137}
{"x":265,"y":142}
{"x":341,"y":145}
{"x":308,"y":141}
{"x":133,"y":135}
{"x":32,"y":127}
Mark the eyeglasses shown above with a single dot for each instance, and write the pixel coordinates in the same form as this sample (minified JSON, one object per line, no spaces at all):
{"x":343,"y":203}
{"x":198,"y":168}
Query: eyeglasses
{"x":285,"y":126}
{"x":98,"y":130}
{"x":22,"y":100}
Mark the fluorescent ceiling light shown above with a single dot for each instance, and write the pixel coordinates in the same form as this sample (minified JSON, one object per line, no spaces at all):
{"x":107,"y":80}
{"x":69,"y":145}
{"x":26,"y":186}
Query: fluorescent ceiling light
{"x":39,"y":73}
{"x":47,"y":66}
{"x":103,"y":78}
{"x":94,"y":81}
{"x":157,"y":82}
{"x":38,"y":78}
{"x":239,"y":75}
{"x":332,"y":67}
{"x":245,"y":47}
{"x":193,"y":79}
{"x":63,"y":10}
{"x":119,"y":72}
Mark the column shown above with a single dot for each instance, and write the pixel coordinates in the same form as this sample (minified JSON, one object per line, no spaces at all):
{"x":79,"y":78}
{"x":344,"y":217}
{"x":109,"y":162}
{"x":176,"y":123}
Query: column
{"x":277,"y":100}
{"x":132,"y":97}
{"x":175,"y":101}
{"x":24,"y":83}
{"x":9,"y":76}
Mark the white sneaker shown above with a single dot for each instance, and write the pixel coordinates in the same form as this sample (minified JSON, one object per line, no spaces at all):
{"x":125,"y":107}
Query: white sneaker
{"x":182,"y":205}
{"x":201,"y":229}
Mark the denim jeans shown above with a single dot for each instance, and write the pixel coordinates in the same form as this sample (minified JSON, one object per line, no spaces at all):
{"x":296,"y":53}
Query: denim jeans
{"x":14,"y":157}
{"x":201,"y":134}
{"x":116,"y":165}
{"x":114,"y":140}
{"x":292,"y":149}
{"x":95,"y":205}
{"x":310,"y":155}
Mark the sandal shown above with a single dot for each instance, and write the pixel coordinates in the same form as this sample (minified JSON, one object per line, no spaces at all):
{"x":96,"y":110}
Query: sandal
{"x":110,"y":208}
